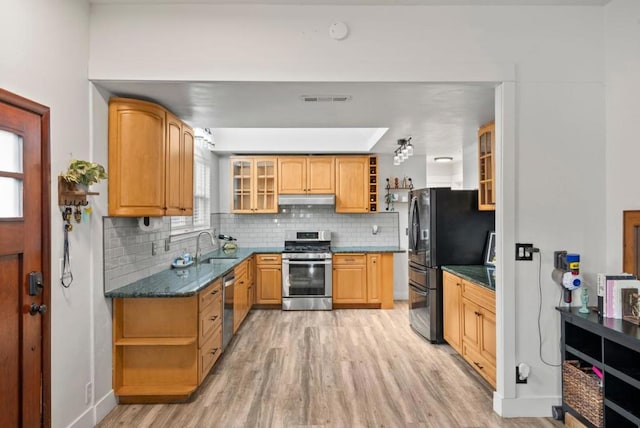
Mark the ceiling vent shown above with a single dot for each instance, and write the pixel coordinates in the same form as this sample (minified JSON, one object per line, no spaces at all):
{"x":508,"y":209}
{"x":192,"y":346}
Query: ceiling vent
{"x":325,"y":98}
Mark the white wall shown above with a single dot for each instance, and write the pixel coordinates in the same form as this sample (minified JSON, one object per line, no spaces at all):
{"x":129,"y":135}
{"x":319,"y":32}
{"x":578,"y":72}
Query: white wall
{"x":559,"y":111}
{"x":43,"y":57}
{"x":622,"y":18}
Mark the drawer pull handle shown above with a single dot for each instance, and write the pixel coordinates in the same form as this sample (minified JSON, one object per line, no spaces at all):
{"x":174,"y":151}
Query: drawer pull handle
{"x":268,"y":259}
{"x":214,"y":292}
{"x":478,"y":364}
{"x":215,"y":317}
{"x":458,"y":284}
{"x":349,"y":260}
{"x":214,"y":351}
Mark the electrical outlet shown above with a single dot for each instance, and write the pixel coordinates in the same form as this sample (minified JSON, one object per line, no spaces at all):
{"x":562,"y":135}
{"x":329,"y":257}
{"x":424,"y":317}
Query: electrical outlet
{"x":518,"y":380}
{"x":167,"y":245}
{"x":524,"y":251}
{"x":154,"y":248}
{"x":557,"y":412}
{"x":88,"y":393}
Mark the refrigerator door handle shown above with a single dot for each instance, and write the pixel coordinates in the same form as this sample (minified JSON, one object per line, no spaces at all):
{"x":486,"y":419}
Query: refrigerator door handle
{"x":417,"y":290}
{"x":425,"y":234}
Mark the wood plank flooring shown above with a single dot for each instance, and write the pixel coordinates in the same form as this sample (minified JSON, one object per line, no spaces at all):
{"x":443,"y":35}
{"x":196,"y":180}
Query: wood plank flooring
{"x":344,"y":368}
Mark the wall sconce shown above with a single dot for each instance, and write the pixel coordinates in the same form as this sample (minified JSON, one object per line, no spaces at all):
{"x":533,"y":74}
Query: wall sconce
{"x":404,"y":150}
{"x":443,"y":159}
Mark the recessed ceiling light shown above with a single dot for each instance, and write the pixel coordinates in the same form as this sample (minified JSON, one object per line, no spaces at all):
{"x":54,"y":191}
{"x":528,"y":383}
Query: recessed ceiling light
{"x":443,"y":159}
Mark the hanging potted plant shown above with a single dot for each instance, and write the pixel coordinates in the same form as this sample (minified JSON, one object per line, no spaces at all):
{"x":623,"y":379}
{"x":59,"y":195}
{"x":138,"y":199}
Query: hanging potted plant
{"x":82,"y":174}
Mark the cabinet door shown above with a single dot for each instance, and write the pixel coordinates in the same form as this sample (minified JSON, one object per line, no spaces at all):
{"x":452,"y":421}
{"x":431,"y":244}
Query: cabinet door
{"x":486,"y":168}
{"x":186,"y":171}
{"x":292,"y":175}
{"x":241,"y":185}
{"x":352,"y":176}
{"x":173,"y":166}
{"x":374,"y":277}
{"x":321,"y":174}
{"x":239,"y":301}
{"x":266,"y":192}
{"x":487,"y":344}
{"x":452,"y":296}
{"x":136,"y":158}
{"x":269,"y":284}
{"x":350,"y":284}
{"x":470,"y":324}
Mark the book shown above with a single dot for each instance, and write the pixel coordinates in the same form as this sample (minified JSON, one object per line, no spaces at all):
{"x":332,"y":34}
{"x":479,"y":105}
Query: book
{"x":618,"y":287}
{"x":601,"y":288}
{"x":631,"y":305}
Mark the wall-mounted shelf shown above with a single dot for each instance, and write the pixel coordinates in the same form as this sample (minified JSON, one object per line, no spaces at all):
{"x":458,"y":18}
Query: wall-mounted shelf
{"x":391,"y":198}
{"x":68,"y":194}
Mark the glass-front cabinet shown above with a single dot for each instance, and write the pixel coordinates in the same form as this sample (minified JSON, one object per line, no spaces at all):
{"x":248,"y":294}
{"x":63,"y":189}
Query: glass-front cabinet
{"x":254,"y":187}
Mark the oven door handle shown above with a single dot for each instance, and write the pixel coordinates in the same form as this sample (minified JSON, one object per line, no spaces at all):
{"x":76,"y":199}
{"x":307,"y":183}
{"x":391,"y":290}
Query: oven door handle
{"x":306,"y":262}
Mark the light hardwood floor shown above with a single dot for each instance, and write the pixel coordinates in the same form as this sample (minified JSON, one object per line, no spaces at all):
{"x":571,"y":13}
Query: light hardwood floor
{"x":344,"y":368}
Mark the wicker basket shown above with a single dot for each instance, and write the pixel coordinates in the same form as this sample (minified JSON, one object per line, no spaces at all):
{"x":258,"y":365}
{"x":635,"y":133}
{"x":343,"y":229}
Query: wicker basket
{"x":582,"y":392}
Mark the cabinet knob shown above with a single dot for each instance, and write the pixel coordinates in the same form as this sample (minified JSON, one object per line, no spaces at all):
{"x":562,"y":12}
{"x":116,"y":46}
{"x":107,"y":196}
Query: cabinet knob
{"x":477,"y":313}
{"x":214,"y":292}
{"x":214,"y":351}
{"x":213,"y":318}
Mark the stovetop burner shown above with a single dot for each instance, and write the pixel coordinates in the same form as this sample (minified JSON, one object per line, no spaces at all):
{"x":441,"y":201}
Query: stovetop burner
{"x":307,"y":248}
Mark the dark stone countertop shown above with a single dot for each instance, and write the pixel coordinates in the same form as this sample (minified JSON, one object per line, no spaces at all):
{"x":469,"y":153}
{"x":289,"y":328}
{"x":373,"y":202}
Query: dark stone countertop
{"x":186,"y":282}
{"x":478,"y":274}
{"x":189,"y":281}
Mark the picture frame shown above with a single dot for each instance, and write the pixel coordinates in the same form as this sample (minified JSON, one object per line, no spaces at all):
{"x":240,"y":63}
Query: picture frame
{"x":490,"y":249}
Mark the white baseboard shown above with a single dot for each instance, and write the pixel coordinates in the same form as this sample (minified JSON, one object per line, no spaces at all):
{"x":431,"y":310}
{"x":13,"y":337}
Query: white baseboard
{"x":105,"y":405}
{"x":524,"y":407}
{"x":85,"y":420}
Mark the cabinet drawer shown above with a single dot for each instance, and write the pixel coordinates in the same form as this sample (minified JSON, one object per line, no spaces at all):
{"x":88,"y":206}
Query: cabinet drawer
{"x":349,"y":259}
{"x":209,"y":354}
{"x":268,"y":259}
{"x":481,"y":364}
{"x":210,"y":319}
{"x":480,"y":295}
{"x":210,"y":293}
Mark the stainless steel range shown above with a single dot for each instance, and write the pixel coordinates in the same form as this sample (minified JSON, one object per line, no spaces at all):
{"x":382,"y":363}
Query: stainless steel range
{"x":306,"y":271}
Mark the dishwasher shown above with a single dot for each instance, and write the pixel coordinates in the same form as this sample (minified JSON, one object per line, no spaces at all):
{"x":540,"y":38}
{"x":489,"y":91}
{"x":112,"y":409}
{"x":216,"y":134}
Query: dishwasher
{"x":228,"y":282}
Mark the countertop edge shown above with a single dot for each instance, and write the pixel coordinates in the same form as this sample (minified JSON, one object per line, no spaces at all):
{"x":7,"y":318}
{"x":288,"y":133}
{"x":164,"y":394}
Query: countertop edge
{"x":118,"y":293}
{"x":460,"y":271}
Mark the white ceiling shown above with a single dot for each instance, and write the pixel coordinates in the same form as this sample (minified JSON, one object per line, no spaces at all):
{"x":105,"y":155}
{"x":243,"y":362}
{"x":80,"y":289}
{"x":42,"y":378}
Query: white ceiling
{"x":379,"y":2}
{"x":440,"y":118}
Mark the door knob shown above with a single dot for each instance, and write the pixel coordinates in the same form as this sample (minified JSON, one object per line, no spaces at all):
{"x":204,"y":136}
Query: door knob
{"x":36,"y":308}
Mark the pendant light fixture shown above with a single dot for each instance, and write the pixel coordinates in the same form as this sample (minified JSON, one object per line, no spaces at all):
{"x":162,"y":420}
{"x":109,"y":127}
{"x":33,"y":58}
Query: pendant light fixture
{"x":404,"y":150}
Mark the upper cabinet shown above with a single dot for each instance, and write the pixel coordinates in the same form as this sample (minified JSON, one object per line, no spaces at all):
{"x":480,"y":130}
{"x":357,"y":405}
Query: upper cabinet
{"x":254,"y":185}
{"x":150,"y":161}
{"x":306,"y":175}
{"x":352,"y":184}
{"x":486,"y":167}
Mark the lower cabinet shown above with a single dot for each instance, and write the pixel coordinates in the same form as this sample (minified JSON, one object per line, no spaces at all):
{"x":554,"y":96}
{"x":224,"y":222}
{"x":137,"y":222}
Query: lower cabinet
{"x":164,"y":347}
{"x":363,"y":279}
{"x":470,"y":323}
{"x":268,"y":279}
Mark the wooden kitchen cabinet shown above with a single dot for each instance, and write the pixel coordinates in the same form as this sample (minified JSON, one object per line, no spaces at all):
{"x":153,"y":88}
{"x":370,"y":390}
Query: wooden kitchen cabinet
{"x":150,"y":161}
{"x":470,"y":323}
{"x":254,"y":185}
{"x":452,"y":310}
{"x":349,"y":278}
{"x":164,"y":347}
{"x":306,"y":175}
{"x":486,"y":167}
{"x":240,"y":295}
{"x":268,"y":279}
{"x":352,"y":184}
{"x":363,"y":279}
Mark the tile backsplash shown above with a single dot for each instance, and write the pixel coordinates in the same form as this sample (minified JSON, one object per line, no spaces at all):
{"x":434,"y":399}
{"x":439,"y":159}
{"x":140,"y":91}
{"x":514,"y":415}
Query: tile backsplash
{"x":128,"y":250}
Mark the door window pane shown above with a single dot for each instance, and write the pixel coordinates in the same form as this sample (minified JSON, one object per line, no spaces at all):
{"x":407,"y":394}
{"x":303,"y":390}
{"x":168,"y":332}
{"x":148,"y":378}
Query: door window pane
{"x":10,"y":152}
{"x":11,"y":195}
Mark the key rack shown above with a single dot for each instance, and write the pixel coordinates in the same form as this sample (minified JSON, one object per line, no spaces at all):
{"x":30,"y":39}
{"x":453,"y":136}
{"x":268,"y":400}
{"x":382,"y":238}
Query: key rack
{"x":69,"y":195}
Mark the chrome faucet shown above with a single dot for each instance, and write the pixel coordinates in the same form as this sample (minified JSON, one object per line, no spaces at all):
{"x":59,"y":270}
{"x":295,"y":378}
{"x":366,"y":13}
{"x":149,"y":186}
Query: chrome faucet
{"x":198,"y":250}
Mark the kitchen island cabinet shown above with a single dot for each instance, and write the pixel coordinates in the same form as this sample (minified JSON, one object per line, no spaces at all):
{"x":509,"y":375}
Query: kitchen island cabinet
{"x":470,"y":320}
{"x":150,"y":161}
{"x":164,"y":347}
{"x":363,"y":280}
{"x":299,"y":175}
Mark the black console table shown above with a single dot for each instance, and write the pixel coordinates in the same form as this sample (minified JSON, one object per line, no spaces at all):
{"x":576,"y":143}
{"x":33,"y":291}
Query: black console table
{"x":613,"y":346}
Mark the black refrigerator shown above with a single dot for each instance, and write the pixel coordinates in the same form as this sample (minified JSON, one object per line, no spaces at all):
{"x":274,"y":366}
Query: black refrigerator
{"x":445,"y":228}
